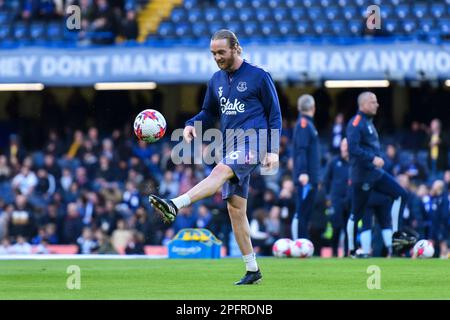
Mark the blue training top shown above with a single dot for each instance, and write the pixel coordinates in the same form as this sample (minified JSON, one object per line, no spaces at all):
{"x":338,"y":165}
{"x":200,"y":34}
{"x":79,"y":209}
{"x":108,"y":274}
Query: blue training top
{"x":245,"y":99}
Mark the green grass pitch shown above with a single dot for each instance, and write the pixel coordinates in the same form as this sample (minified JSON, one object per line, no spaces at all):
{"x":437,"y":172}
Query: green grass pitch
{"x":283,"y":279}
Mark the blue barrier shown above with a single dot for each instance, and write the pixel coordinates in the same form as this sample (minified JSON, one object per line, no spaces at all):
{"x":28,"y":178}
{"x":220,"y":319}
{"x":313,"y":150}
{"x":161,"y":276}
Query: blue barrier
{"x":194,"y":244}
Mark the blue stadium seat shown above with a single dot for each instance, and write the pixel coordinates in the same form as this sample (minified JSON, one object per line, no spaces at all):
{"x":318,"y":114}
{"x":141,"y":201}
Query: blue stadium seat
{"x":216,"y":25}
{"x":242,"y":3}
{"x":332,"y":12}
{"x":37,"y":31}
{"x":315,"y":13}
{"x":274,"y":3}
{"x":349,"y":12}
{"x":307,"y":3}
{"x":297,"y":13}
{"x":194,"y":15}
{"x":250,"y":28}
{"x":321,"y":27}
{"x":338,"y":27}
{"x":225,"y":4}
{"x":391,"y":25}
{"x":212,"y":14}
{"x":166,"y":29}
{"x":269,"y":28}
{"x":246,"y":14}
{"x":437,"y":9}
{"x":386,"y":11}
{"x":420,"y":10}
{"x":303,"y":27}
{"x":183,"y":29}
{"x":229,"y":14}
{"x":402,"y":11}
{"x":280,"y":14}
{"x":200,"y":29}
{"x":20,"y":31}
{"x":290,"y":3}
{"x":408,"y":25}
{"x":264,"y":14}
{"x":234,"y":26}
{"x":178,"y":15}
{"x":286,"y":27}
{"x":343,"y":3}
{"x":189,"y":4}
{"x":355,"y":26}
{"x":444,"y":26}
{"x":5,"y":32}
{"x":257,"y":3}
{"x":426,"y":25}
{"x":4,"y":17}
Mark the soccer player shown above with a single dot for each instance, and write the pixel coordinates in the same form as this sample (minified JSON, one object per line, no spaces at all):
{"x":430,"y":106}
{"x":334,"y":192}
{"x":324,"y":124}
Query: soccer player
{"x":306,"y":165}
{"x":243,"y":96}
{"x":379,"y":206}
{"x":366,"y":168}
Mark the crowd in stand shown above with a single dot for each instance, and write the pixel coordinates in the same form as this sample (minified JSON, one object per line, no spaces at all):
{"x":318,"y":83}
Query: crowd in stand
{"x":91,"y":191}
{"x":101,"y":21}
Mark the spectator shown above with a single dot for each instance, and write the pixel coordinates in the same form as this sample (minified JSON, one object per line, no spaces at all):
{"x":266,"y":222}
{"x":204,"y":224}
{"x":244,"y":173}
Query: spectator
{"x":121,"y":236}
{"x":5,"y":247}
{"x":66,"y":179}
{"x":438,"y":152}
{"x":22,"y":220}
{"x":21,"y":246}
{"x":143,"y":224}
{"x":391,"y":162}
{"x":129,"y":29}
{"x":5,"y":214}
{"x":74,"y":149}
{"x":168,"y":236}
{"x":86,"y":242}
{"x":106,"y":217}
{"x":203,"y":218}
{"x":25,"y":181}
{"x":136,"y":244}
{"x":169,"y":186}
{"x":415,"y":138}
{"x":185,"y":219}
{"x":286,"y":203}
{"x":259,"y":234}
{"x":72,"y":224}
{"x":338,"y":133}
{"x":104,"y":243}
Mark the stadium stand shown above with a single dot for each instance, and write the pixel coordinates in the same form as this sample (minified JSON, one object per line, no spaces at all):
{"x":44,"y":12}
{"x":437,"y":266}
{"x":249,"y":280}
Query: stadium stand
{"x":168,"y":22}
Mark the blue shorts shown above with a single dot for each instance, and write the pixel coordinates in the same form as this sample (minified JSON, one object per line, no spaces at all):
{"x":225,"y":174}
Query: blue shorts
{"x":242,"y":163}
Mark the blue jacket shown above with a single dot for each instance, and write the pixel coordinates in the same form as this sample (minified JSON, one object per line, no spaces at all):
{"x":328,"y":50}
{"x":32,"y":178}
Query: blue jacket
{"x":306,"y":150}
{"x":246,"y":99}
{"x":363,"y":146}
{"x":336,"y":178}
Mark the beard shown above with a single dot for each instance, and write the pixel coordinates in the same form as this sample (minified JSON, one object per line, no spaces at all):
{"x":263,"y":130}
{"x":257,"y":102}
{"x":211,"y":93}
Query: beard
{"x":226,"y":64}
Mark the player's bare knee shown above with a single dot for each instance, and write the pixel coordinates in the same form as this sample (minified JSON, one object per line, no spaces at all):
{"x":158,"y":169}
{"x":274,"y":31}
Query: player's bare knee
{"x":222,"y":172}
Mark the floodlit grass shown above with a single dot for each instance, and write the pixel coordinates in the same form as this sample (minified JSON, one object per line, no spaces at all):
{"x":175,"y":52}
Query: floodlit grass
{"x":213,"y":279}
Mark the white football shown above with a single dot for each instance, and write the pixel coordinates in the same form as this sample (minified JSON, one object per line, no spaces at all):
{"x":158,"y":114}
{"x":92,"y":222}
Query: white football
{"x":302,"y":248}
{"x":282,"y":248}
{"x":423,"y":249}
{"x":150,"y":125}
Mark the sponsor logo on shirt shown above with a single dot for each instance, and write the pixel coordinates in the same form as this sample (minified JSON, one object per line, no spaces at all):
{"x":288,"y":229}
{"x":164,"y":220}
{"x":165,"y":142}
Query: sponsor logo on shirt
{"x":231,"y":108}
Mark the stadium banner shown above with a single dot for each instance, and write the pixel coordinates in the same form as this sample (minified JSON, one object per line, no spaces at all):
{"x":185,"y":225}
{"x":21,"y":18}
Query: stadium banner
{"x":76,"y":66}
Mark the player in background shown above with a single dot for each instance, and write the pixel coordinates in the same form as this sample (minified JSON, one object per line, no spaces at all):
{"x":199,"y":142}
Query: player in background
{"x":379,"y":206}
{"x":242,"y":96}
{"x":366,"y":168}
{"x":306,"y":156}
{"x":336,"y":182}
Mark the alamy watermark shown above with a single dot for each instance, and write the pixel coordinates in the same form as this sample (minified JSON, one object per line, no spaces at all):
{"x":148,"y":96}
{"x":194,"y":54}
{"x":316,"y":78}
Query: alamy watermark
{"x":74,"y":280}
{"x":234,"y":146}
{"x":373,"y":17}
{"x":374,"y":280}
{"x":73,"y":20}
